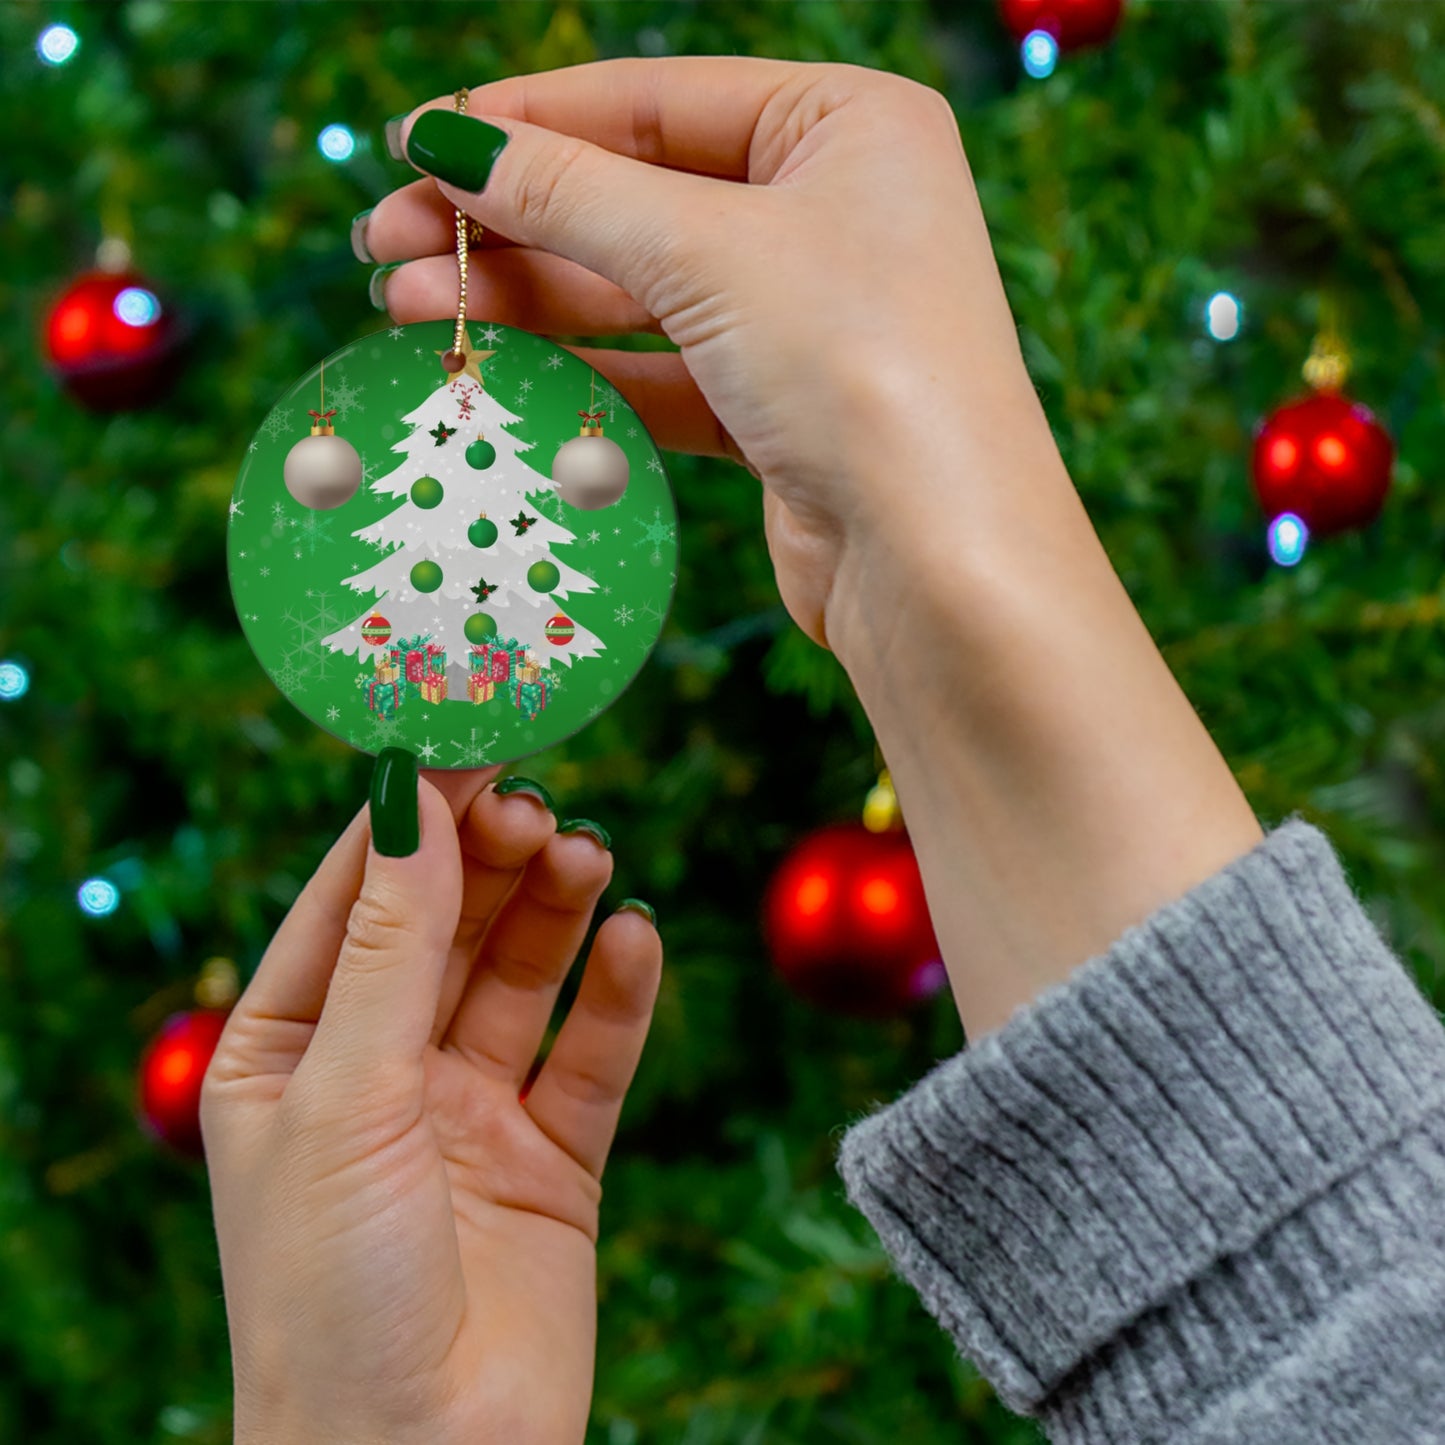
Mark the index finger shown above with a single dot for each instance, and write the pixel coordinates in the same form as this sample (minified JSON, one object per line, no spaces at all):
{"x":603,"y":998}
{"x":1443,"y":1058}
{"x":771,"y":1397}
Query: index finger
{"x":699,"y":113}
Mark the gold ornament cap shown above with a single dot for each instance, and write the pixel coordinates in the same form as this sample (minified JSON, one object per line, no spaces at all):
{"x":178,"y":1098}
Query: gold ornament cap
{"x":321,"y":423}
{"x":881,"y":813}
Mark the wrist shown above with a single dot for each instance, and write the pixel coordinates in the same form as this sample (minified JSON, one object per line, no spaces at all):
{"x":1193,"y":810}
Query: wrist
{"x":1057,"y":784}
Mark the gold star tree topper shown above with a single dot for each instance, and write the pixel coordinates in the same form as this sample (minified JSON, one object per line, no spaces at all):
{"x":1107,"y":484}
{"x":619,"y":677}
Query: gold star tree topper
{"x":474,"y":359}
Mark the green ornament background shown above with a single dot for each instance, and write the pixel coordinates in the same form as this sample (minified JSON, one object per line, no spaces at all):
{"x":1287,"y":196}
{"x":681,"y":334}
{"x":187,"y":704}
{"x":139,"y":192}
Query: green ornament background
{"x":288,"y":563}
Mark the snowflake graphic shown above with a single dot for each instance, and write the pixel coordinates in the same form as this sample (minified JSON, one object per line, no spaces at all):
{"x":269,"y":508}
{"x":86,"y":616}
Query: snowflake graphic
{"x":314,"y":532}
{"x":395,"y":333}
{"x":526,"y":385}
{"x":654,"y":465}
{"x":289,"y":678}
{"x":473,"y":754}
{"x":622,"y":616}
{"x":650,"y":611}
{"x":427,"y":751}
{"x":491,"y":335}
{"x":332,"y":713}
{"x":383,"y":732}
{"x":553,"y":362}
{"x":550,"y":503}
{"x":309,"y":624}
{"x":632,"y":431}
{"x":279,"y":421}
{"x":594,"y":535}
{"x":654,"y":533}
{"x":278,"y":518}
{"x":345,"y":397}
{"x":237,"y":512}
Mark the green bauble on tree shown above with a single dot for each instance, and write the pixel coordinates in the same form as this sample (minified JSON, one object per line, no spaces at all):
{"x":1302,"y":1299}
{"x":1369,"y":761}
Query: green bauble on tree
{"x":427,"y":492}
{"x":482,"y":533}
{"x":426,"y":576}
{"x":543,"y":576}
{"x":481,"y":454}
{"x":479,"y":626}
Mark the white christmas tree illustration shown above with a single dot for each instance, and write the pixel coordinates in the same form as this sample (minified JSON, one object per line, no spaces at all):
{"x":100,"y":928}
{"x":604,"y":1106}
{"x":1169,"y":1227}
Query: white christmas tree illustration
{"x":415,"y":533}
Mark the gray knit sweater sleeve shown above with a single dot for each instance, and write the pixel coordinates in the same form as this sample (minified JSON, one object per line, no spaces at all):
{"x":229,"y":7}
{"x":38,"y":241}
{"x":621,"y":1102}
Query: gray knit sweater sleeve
{"x":1196,"y":1192}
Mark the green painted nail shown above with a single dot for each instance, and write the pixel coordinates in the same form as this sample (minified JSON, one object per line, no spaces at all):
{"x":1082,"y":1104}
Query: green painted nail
{"x":359,"y":247}
{"x":526,"y":785}
{"x":586,"y":825}
{"x":455,"y":148}
{"x":392,"y":132}
{"x":636,"y":905}
{"x":395,"y":820}
{"x":376,"y":288}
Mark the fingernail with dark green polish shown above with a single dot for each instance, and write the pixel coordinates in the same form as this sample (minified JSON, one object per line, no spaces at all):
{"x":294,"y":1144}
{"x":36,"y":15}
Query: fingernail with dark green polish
{"x":528,"y":786}
{"x":586,"y":825}
{"x":393,"y":136}
{"x":455,"y":148}
{"x":636,"y":905}
{"x":359,"y":247}
{"x":395,"y":813}
{"x":376,"y":287}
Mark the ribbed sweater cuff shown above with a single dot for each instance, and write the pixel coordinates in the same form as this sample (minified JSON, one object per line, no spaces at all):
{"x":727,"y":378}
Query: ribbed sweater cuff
{"x":1137,"y":1168}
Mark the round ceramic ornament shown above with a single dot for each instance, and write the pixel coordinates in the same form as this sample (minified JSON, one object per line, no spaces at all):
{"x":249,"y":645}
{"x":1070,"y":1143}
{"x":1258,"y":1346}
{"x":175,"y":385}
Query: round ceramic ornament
{"x":456,"y":601}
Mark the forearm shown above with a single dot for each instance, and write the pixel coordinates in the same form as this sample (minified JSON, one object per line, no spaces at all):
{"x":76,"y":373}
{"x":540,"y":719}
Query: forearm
{"x":1056,"y":782}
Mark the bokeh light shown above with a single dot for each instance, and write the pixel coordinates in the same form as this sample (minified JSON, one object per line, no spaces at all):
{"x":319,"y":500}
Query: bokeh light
{"x":1040,"y":52}
{"x":137,"y":307}
{"x":57,"y":44}
{"x":14,"y":681}
{"x":1288,"y":537}
{"x":336,"y":143}
{"x":1223,"y":316}
{"x":98,"y":897}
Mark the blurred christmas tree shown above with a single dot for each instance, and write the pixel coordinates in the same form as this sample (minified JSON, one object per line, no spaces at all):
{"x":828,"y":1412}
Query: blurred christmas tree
{"x":1274,"y":156}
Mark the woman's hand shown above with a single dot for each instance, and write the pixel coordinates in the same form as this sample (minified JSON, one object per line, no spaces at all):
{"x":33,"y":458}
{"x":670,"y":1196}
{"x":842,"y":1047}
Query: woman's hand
{"x":831,"y":312}
{"x":810,"y":237}
{"x":408,"y":1247}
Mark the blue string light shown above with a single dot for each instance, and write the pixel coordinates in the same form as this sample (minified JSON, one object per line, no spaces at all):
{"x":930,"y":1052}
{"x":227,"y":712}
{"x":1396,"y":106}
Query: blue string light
{"x":1288,"y":537}
{"x":57,"y":44}
{"x":1223,"y":316}
{"x":1040,"y":52}
{"x":14,"y":681}
{"x":98,"y":897}
{"x":336,"y":143}
{"x":137,"y":307}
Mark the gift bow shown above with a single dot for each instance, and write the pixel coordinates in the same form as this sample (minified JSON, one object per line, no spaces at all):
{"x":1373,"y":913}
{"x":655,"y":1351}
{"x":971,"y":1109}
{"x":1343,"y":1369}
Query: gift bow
{"x":590,"y":416}
{"x":322,"y":415}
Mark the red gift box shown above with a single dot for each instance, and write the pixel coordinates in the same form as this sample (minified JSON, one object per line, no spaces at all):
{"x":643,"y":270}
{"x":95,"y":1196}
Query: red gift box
{"x":480,"y":689}
{"x":491,"y":662}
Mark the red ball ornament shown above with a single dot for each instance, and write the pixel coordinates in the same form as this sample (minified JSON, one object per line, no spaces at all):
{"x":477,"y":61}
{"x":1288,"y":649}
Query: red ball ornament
{"x":560,"y":629}
{"x":1073,"y":23}
{"x":112,"y":342}
{"x":1324,"y":458}
{"x":171,"y":1071}
{"x":375,"y":630}
{"x":847,"y":924}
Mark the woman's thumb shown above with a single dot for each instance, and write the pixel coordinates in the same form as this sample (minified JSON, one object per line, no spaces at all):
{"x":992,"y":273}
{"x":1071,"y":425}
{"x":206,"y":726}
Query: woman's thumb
{"x":382,"y":1000}
{"x":623,"y":219}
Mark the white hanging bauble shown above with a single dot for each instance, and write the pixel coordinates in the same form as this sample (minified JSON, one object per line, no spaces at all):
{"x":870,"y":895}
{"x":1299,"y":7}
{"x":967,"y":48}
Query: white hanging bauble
{"x":590,"y":469}
{"x":322,"y":471}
